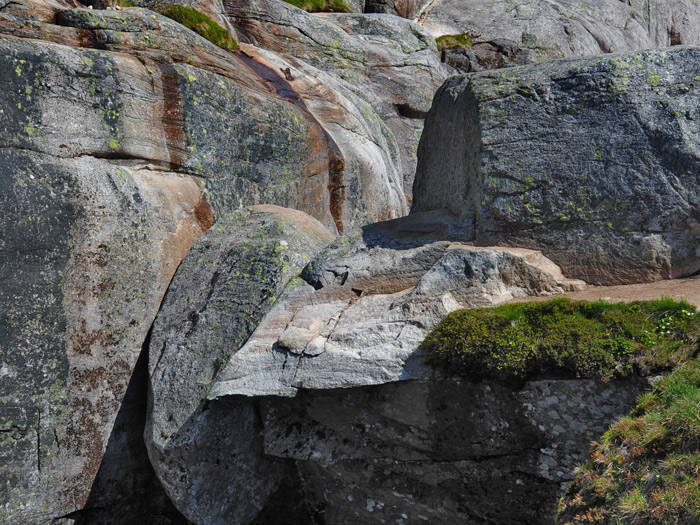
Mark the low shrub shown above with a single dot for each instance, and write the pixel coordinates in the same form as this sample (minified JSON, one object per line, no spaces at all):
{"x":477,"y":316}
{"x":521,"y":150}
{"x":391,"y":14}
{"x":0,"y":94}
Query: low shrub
{"x":445,"y":41}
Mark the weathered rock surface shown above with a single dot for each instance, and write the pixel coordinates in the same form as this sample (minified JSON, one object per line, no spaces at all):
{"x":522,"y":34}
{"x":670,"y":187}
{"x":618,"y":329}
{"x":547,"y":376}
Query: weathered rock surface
{"x":592,"y":161}
{"x":229,"y":280}
{"x":390,"y":62}
{"x":559,"y":28}
{"x":426,"y":446}
{"x":490,"y":54}
{"x":670,"y":22}
{"x":193,"y":95}
{"x":119,"y":129}
{"x":507,"y":33}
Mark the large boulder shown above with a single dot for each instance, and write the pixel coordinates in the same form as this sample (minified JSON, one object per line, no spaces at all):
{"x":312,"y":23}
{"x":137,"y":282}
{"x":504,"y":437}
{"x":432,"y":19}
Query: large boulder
{"x":390,"y":62}
{"x":342,"y":415}
{"x":87,"y":251}
{"x":592,"y":161}
{"x":227,"y":283}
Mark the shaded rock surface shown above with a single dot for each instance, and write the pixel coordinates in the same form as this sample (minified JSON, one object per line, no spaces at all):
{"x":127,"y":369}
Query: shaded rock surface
{"x":389,"y":62}
{"x":443,"y":450}
{"x":591,"y":161}
{"x":229,"y":280}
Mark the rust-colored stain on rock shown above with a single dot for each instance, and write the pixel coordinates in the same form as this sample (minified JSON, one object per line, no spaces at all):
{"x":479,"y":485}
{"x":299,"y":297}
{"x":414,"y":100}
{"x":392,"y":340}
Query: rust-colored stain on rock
{"x":204,"y":215}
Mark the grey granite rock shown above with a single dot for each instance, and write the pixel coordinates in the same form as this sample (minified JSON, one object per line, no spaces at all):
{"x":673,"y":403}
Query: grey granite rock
{"x":592,"y":161}
{"x":229,"y":280}
{"x":554,"y":29}
{"x":87,"y":251}
{"x":99,"y":213}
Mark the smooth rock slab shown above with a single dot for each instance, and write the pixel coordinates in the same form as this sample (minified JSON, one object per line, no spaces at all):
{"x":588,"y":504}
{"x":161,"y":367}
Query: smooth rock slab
{"x":594,"y":162}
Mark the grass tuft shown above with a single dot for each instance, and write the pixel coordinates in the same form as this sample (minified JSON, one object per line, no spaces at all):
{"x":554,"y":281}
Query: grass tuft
{"x":576,"y":339}
{"x":650,"y":458}
{"x":446,"y":41}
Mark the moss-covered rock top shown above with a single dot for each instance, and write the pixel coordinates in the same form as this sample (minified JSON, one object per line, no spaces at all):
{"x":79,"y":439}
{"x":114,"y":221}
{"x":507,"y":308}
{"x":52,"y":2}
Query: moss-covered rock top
{"x":320,"y":6}
{"x":646,"y":468}
{"x":563,"y":337}
{"x":201,"y":24}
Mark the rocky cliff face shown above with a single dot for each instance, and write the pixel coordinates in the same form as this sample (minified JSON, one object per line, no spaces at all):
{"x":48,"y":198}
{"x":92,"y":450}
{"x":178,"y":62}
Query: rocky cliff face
{"x":132,"y":147}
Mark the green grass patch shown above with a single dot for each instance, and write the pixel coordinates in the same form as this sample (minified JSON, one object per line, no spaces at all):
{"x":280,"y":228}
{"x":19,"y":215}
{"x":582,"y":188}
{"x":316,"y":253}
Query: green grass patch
{"x":200,"y":23}
{"x":445,"y":41}
{"x":646,"y":467}
{"x":320,"y":6}
{"x":563,"y":337}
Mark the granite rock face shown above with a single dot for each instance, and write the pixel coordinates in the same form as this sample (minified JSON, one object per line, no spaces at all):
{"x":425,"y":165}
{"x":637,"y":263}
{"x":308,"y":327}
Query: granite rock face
{"x":565,"y":28}
{"x":87,"y":252}
{"x":228,"y":119}
{"x":591,"y":161}
{"x":229,"y":280}
{"x":389,"y":62}
{"x":509,"y":33}
{"x":123,"y":137}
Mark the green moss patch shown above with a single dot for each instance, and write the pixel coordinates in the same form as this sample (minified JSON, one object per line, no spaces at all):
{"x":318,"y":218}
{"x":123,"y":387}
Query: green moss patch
{"x":461,"y":40}
{"x":320,"y":6}
{"x":646,"y":468}
{"x":565,"y":338}
{"x":200,"y":23}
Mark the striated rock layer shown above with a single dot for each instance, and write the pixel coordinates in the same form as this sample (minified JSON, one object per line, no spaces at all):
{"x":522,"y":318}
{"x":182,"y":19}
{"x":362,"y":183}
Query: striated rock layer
{"x":388,"y":62}
{"x":592,"y":161}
